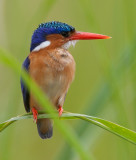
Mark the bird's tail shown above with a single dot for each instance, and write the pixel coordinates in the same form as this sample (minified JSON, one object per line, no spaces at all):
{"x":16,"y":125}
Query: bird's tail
{"x":45,"y":128}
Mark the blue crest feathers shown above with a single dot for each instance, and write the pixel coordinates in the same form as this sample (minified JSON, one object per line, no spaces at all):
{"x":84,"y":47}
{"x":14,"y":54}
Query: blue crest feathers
{"x":58,"y":26}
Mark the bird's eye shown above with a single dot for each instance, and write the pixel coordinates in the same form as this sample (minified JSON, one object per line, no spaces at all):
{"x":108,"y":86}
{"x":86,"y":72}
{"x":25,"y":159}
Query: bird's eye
{"x":65,"y":34}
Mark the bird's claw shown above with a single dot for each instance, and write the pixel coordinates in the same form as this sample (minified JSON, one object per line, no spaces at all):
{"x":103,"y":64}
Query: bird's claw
{"x":35,"y":114}
{"x":60,"y":110}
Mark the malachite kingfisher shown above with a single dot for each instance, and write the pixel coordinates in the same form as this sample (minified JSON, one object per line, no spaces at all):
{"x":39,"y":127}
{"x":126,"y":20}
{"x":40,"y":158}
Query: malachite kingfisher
{"x":52,"y":67}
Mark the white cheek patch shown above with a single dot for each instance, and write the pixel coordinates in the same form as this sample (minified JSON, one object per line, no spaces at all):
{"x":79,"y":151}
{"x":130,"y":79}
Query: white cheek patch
{"x":69,"y":43}
{"x":41,"y":46}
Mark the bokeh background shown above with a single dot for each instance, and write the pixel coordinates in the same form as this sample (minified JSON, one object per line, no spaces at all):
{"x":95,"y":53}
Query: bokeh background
{"x":104,"y":85}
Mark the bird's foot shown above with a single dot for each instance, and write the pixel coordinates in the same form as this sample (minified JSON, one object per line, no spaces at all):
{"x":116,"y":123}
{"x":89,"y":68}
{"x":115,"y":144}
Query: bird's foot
{"x":35,"y":114}
{"x":60,"y":110}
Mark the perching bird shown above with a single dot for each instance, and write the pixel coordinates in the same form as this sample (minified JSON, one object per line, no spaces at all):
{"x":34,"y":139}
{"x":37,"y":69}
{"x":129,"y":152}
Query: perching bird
{"x":52,"y":67}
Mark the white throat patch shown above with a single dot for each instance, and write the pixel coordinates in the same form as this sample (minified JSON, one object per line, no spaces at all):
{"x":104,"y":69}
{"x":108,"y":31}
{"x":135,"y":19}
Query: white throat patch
{"x":69,"y":43}
{"x":41,"y":46}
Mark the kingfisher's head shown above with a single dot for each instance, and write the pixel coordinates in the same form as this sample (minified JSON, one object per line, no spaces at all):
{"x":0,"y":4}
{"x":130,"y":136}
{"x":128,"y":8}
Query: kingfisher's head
{"x":56,"y":34}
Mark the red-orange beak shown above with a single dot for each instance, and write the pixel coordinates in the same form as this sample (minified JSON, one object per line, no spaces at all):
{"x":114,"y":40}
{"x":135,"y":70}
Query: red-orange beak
{"x":87,"y":36}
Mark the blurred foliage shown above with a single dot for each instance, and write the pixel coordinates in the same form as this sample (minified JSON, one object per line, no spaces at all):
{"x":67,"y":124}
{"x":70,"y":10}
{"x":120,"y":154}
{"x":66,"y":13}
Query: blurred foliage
{"x":105,"y":81}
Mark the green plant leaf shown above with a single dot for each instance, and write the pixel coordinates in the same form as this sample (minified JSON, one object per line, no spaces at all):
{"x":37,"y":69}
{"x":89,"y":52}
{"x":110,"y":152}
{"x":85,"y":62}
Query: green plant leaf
{"x":120,"y":131}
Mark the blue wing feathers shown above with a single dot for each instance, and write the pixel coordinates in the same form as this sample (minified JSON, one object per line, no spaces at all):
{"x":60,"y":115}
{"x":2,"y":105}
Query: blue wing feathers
{"x":24,"y":89}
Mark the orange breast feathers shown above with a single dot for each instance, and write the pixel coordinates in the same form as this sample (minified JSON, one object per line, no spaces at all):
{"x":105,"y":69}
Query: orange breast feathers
{"x":53,"y":71}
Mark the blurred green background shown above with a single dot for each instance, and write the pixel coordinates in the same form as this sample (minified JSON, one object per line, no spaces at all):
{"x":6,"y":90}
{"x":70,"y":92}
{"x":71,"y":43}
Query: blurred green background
{"x":104,"y":85}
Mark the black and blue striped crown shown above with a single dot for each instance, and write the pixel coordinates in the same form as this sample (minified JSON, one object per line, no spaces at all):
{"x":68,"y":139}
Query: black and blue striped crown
{"x":57,"y":26}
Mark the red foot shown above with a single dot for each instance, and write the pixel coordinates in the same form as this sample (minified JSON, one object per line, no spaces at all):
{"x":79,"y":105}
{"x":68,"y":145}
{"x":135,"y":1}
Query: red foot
{"x":60,"y":110}
{"x":35,"y":114}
